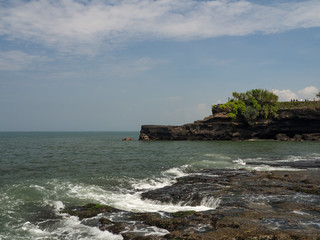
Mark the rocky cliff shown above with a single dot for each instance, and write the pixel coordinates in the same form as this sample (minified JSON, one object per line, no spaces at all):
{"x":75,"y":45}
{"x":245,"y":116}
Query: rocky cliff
{"x":290,"y":124}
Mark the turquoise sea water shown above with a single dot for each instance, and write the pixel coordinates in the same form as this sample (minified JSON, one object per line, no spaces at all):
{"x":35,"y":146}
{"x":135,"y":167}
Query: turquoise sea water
{"x":41,"y":173}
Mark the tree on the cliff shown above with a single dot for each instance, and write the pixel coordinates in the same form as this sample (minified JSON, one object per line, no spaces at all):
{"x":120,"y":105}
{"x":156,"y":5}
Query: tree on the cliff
{"x":318,"y":95}
{"x":251,"y":105}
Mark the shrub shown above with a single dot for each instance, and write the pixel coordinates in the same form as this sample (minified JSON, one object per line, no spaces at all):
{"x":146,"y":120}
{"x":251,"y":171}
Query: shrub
{"x":250,"y":114}
{"x":257,"y":103}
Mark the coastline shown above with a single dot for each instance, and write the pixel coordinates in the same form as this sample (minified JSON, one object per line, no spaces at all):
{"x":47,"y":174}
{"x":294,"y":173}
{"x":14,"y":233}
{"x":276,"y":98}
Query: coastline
{"x":244,"y":205}
{"x":295,"y":124}
{"x":212,"y":188}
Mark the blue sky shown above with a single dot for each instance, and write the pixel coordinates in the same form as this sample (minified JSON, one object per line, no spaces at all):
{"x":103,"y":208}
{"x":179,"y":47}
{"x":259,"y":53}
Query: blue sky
{"x":108,"y":65}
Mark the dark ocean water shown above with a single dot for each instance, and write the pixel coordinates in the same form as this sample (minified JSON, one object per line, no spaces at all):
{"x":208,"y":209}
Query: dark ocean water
{"x":41,"y":173}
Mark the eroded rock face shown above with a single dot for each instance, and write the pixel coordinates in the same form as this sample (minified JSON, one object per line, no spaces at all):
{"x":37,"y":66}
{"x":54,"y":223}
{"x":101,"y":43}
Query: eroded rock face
{"x":290,"y":125}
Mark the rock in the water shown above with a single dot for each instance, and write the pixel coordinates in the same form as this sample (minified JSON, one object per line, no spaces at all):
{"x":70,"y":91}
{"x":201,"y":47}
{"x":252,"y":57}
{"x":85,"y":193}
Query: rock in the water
{"x":127,"y":139}
{"x":282,"y":137}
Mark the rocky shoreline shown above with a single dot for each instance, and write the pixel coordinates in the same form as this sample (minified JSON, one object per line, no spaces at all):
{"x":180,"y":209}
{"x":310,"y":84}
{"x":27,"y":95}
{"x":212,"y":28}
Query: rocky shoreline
{"x":245,"y":205}
{"x":301,"y":124}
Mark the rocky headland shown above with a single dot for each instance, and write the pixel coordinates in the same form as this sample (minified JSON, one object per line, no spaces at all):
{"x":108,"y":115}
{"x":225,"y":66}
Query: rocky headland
{"x":290,"y":124}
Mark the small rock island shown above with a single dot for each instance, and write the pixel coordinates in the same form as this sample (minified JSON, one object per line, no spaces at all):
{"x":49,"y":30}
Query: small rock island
{"x":254,"y":115}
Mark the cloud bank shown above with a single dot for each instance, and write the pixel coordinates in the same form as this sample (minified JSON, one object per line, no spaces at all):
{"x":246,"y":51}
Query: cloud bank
{"x":305,"y":93}
{"x":17,"y":60}
{"x":86,"y":27}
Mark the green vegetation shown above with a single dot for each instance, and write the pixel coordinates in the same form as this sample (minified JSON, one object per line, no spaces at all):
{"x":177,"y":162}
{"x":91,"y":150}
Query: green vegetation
{"x":297,"y":105}
{"x":259,"y":104}
{"x":251,"y":105}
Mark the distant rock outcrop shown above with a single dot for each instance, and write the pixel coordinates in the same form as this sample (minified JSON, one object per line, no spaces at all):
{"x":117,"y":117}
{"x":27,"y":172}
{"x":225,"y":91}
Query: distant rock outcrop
{"x":290,"y":125}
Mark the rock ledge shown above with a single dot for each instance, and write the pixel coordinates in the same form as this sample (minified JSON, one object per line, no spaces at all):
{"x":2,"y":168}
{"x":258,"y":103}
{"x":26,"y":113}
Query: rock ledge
{"x":290,"y":125}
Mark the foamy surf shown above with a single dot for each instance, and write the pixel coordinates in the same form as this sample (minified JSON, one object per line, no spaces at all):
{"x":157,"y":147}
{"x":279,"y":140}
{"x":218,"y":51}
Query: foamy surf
{"x":168,"y":178}
{"x":239,"y":161}
{"x":43,"y":173}
{"x":68,"y":228}
{"x":129,"y":200}
{"x":288,"y":163}
{"x":71,"y":227}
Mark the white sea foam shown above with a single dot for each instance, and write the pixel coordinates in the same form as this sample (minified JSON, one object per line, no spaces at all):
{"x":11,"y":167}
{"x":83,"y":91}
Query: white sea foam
{"x":212,"y":164}
{"x":56,"y":193}
{"x":169,"y":177}
{"x":239,"y":161}
{"x":176,"y":172}
{"x":217,"y":156}
{"x":210,"y":202}
{"x":301,"y":213}
{"x":125,"y":201}
{"x":56,"y":205}
{"x":37,"y":187}
{"x":147,"y":231}
{"x":315,"y":155}
{"x":131,"y":200}
{"x":34,"y":230}
{"x":293,"y":158}
{"x":69,"y":228}
{"x":312,"y":223}
{"x":269,"y":168}
{"x":150,"y":184}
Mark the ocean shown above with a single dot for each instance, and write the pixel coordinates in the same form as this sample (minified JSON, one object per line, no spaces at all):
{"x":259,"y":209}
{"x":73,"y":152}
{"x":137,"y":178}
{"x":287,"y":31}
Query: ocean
{"x":41,"y":173}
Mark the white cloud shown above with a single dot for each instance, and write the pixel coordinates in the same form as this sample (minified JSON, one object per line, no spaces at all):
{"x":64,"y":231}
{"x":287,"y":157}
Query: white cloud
{"x":308,"y":92}
{"x":305,"y":93}
{"x":130,"y":67}
{"x":17,"y":60}
{"x":85,"y":27}
{"x":285,"y":95}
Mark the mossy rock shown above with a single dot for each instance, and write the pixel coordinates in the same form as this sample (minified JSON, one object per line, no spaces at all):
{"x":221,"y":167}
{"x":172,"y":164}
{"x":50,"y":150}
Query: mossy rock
{"x":153,"y":219}
{"x":182,"y":214}
{"x":89,"y":210}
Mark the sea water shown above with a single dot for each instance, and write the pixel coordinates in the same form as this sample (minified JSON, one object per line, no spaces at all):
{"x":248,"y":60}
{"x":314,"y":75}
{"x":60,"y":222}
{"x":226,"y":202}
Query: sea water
{"x":41,"y":173}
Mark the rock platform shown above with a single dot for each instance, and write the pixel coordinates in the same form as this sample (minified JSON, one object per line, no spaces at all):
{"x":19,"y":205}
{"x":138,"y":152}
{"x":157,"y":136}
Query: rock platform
{"x":245,"y":205}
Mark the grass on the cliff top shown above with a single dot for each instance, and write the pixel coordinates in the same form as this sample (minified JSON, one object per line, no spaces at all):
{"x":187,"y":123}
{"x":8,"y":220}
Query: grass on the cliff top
{"x":296,"y":105}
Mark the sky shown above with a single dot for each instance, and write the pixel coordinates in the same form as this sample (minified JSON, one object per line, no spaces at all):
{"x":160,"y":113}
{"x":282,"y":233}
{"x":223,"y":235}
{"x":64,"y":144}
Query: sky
{"x":114,"y":65}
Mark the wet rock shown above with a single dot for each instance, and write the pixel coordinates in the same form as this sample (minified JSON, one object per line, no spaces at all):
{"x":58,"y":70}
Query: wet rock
{"x":113,"y":227}
{"x":252,"y":205}
{"x":130,"y":236}
{"x":144,"y":137}
{"x":282,"y":137}
{"x":311,"y":136}
{"x":89,"y":210}
{"x":255,"y":205}
{"x":298,"y":137}
{"x":156,"y":220}
{"x":127,"y":139}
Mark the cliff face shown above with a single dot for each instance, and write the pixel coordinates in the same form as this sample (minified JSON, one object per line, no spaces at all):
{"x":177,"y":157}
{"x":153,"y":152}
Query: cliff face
{"x":290,"y":124}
